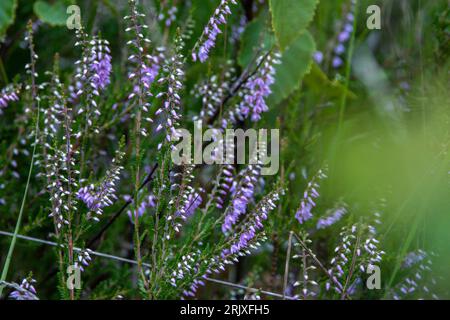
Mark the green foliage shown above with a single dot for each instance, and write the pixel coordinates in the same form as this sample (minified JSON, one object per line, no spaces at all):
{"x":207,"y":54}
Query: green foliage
{"x":255,"y":39}
{"x":295,"y":63}
{"x":53,"y":14}
{"x":7,"y":15}
{"x":290,"y":18}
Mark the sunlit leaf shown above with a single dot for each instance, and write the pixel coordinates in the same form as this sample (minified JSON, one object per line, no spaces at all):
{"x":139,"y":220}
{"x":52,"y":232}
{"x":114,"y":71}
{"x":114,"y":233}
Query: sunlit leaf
{"x":290,"y":18}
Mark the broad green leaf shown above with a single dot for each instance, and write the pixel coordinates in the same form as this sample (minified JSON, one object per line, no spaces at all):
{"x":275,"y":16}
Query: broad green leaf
{"x":318,"y":83}
{"x":53,"y":14}
{"x":7,"y":15}
{"x":290,"y":18}
{"x":295,"y":63}
{"x":254,"y":39}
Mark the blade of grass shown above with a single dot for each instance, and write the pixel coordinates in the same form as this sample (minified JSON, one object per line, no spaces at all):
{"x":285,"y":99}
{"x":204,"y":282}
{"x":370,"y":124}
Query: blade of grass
{"x":418,"y":219}
{"x":286,"y":268}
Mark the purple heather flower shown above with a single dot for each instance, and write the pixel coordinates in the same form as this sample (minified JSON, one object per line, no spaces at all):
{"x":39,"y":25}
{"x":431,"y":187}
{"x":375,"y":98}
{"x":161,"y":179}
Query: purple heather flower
{"x":171,"y":16}
{"x":307,"y":203}
{"x":318,"y":57}
{"x":226,"y":177}
{"x":87,"y":194}
{"x":254,"y":224}
{"x":193,"y":201}
{"x":420,"y":281}
{"x":243,"y":196}
{"x":150,"y":74}
{"x":189,"y":266}
{"x":187,"y":201}
{"x":147,"y":202}
{"x":337,"y":62}
{"x":225,"y":185}
{"x":100,"y":65}
{"x":304,"y":212}
{"x":171,"y":79}
{"x":413,"y":258}
{"x":211,"y":31}
{"x":257,"y":89}
{"x":353,"y":287}
{"x":350,"y":17}
{"x":331,"y":219}
{"x":83,"y":259}
{"x":28,"y":291}
{"x":237,"y":30}
{"x":92,"y":75}
{"x":343,"y":37}
{"x":96,"y":198}
{"x":348,"y":28}
{"x":340,"y":49}
{"x":145,"y":66}
{"x":149,"y":71}
{"x":76,"y":89}
{"x":243,"y":241}
{"x":367,"y":254}
{"x":404,"y":85}
{"x":7,"y":95}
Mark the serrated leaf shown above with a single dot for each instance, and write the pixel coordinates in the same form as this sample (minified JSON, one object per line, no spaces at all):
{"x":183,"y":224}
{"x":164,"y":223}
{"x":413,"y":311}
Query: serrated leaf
{"x":7,"y":15}
{"x":290,"y":18}
{"x":295,"y":63}
{"x":254,"y":38}
{"x":52,"y":14}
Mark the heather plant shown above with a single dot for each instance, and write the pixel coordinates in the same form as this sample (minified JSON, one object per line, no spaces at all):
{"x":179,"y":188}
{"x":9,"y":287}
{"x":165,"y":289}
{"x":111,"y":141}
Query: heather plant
{"x":92,"y":118}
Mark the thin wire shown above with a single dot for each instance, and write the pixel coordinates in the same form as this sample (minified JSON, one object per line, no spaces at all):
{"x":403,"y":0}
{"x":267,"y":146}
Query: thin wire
{"x":112,"y":257}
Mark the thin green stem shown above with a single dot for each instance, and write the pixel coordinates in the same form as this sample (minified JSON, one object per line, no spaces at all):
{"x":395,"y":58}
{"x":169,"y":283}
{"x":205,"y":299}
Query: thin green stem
{"x":286,"y":267}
